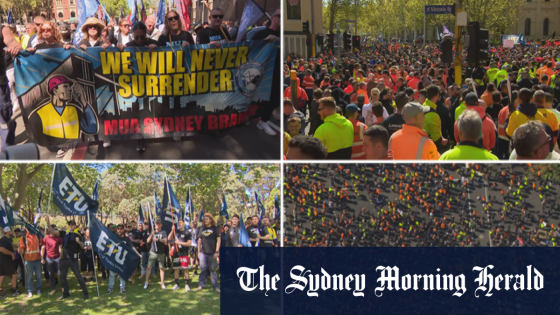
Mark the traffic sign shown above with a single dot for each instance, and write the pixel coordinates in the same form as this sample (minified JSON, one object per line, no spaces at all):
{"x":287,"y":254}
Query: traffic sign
{"x":439,"y":9}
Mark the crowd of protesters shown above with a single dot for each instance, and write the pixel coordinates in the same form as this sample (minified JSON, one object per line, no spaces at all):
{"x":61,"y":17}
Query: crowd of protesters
{"x":399,"y":101}
{"x":195,"y":247}
{"x":421,"y":205}
{"x":44,"y":34}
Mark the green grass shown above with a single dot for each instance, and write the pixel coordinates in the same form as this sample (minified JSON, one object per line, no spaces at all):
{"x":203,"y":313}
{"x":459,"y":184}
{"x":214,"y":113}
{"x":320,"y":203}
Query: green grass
{"x":154,"y":300}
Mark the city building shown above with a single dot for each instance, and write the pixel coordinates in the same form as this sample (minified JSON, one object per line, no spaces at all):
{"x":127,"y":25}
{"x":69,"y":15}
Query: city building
{"x":295,"y":13}
{"x":538,"y":19}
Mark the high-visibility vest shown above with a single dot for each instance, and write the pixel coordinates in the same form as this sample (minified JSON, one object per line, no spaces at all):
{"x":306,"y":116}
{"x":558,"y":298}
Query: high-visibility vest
{"x":492,"y":74}
{"x":31,"y":246}
{"x":358,"y":144}
{"x":413,"y":83}
{"x":63,"y":126}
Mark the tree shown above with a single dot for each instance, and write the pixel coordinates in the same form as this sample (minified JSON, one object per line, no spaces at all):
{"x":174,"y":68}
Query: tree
{"x":114,"y":7}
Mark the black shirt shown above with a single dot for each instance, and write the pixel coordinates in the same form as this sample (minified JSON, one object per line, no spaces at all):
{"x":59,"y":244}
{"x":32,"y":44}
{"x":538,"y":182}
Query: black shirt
{"x":263,"y":231}
{"x":493,"y":110}
{"x":254,"y":234}
{"x":209,"y":237}
{"x":134,"y":234}
{"x":183,"y":236}
{"x":71,"y":247}
{"x":176,"y":40}
{"x":393,"y":123}
{"x":149,"y":42}
{"x":233,"y":237}
{"x":6,"y":243}
{"x":207,"y":35}
{"x":157,"y":244}
{"x":145,"y":234}
{"x":264,"y":34}
{"x":47,"y":46}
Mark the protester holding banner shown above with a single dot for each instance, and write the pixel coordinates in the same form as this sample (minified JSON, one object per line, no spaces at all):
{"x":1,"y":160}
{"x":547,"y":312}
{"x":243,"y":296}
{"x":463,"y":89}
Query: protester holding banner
{"x":125,"y":240}
{"x":153,"y":32}
{"x":123,"y":35}
{"x":183,"y":241}
{"x":72,"y":244}
{"x":174,"y":33}
{"x":30,"y":249}
{"x":7,"y":265}
{"x":139,"y":33}
{"x":92,"y":30}
{"x":158,"y":242}
{"x":208,"y":250}
{"x":215,"y":33}
{"x":49,"y":37}
{"x":34,"y":39}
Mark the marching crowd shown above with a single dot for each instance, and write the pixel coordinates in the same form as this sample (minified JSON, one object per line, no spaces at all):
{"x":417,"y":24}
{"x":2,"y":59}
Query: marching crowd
{"x":421,"y":205}
{"x":184,"y":249}
{"x":45,"y":34}
{"x":399,"y":101}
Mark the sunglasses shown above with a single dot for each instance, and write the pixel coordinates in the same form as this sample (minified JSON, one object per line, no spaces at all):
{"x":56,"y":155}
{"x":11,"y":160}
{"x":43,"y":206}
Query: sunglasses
{"x":126,"y":25}
{"x":173,"y":18}
{"x":46,"y":30}
{"x":92,"y":27}
{"x":218,"y":16}
{"x":38,"y":24}
{"x":139,"y":37}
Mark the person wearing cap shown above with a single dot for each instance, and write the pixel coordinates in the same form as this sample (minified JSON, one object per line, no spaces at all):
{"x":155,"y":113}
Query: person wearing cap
{"x":158,"y":242}
{"x":72,"y":244}
{"x":352,"y":112}
{"x":66,"y":36}
{"x":525,"y":111}
{"x":336,"y":133}
{"x":488,"y":126}
{"x":62,"y":117}
{"x":50,"y":253}
{"x":30,"y":250}
{"x":152,"y":31}
{"x":412,"y":142}
{"x":8,"y":266}
{"x":92,"y":30}
{"x":395,"y":121}
{"x":470,"y":133}
{"x":433,"y":121}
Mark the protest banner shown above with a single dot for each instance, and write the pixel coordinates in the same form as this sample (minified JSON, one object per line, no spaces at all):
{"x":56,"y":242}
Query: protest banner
{"x":74,"y":95}
{"x":69,"y":197}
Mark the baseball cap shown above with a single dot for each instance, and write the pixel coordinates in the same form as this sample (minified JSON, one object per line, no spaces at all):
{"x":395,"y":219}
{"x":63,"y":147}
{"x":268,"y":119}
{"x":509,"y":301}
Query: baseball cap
{"x":158,"y":220}
{"x":412,"y":109}
{"x":471,"y":99}
{"x":71,"y":222}
{"x":351,"y":109}
{"x":7,"y":229}
{"x":401,"y":99}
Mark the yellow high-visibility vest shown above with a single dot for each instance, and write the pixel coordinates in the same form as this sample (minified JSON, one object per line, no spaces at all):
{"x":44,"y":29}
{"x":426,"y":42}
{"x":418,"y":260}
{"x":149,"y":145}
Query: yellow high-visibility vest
{"x":63,"y":126}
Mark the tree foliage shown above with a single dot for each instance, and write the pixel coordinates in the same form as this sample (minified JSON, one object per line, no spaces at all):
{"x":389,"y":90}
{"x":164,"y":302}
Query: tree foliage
{"x":124,"y":187}
{"x":398,"y":17}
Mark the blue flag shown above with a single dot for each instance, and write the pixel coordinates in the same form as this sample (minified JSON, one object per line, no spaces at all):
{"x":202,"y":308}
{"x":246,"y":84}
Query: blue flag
{"x":223,"y":211}
{"x":522,"y":39}
{"x":10,"y":19}
{"x":122,"y":14}
{"x":160,"y":18}
{"x":95,"y":193}
{"x":261,"y":209}
{"x":171,"y":208}
{"x":82,"y":17}
{"x":201,"y":218}
{"x":19,"y":220}
{"x":38,"y":211}
{"x":142,"y":11}
{"x":115,"y":254}
{"x":277,"y":207}
{"x":157,"y":205}
{"x":134,"y":14}
{"x":251,"y":14}
{"x":243,"y":234}
{"x":4,"y":222}
{"x":140,"y":215}
{"x":68,"y":196}
{"x":188,"y":209}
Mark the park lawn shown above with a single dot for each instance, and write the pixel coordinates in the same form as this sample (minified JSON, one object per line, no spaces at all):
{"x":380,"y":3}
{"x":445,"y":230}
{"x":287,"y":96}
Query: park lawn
{"x":154,"y":300}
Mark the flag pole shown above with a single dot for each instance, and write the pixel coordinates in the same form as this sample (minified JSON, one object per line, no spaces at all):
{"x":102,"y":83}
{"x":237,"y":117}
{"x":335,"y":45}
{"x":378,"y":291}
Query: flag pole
{"x":171,"y":209}
{"x":93,"y":255}
{"x":50,"y":191}
{"x":152,"y":220}
{"x":111,"y":209}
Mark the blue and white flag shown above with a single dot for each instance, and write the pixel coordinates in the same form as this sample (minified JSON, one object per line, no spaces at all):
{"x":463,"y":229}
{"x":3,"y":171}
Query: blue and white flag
{"x":276,"y":207}
{"x":243,"y":234}
{"x":160,"y":17}
{"x":95,"y":193}
{"x":223,"y":211}
{"x":10,"y":19}
{"x":446,"y":32}
{"x":38,"y":211}
{"x":251,"y":14}
{"x":113,"y":252}
{"x":68,"y":196}
{"x":164,"y":215}
{"x":4,"y":222}
{"x":201,"y":218}
{"x":134,"y":14}
{"x":140,"y":215}
{"x":171,"y":208}
{"x":19,"y":220}
{"x":82,"y":17}
{"x":187,"y":215}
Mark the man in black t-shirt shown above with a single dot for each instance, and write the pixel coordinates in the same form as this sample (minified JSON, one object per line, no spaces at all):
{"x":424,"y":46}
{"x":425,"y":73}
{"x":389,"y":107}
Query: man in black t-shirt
{"x":215,"y":33}
{"x":263,"y":231}
{"x":253,"y":230}
{"x":158,"y":242}
{"x":8,"y":267}
{"x":394,"y":122}
{"x":72,"y":244}
{"x":144,"y":248}
{"x":126,"y":240}
{"x":183,"y":240}
{"x":208,"y":249}
{"x":233,"y":233}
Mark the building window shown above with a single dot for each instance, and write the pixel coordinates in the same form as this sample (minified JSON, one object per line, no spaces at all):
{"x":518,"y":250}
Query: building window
{"x":545,"y":27}
{"x":293,"y":9}
{"x":72,"y":14}
{"x":71,"y":1}
{"x":527,"y":27}
{"x":60,"y":15}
